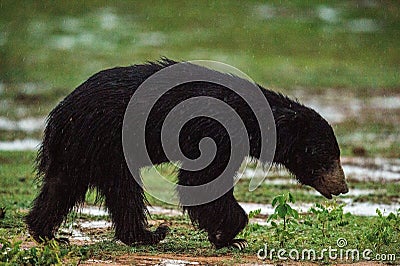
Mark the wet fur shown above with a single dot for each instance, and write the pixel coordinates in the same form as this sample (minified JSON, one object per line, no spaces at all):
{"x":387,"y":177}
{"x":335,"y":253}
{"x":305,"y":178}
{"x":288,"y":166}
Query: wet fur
{"x":82,"y":150}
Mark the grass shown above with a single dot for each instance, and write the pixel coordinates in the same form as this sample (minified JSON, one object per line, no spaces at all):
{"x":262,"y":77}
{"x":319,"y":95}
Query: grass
{"x":45,"y":42}
{"x":307,"y":234}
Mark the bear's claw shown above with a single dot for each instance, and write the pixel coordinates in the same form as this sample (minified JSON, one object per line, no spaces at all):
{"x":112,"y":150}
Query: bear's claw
{"x":239,"y":244}
{"x":62,"y":240}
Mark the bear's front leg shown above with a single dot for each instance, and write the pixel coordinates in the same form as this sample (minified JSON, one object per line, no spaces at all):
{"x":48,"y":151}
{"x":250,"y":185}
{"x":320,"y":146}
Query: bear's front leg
{"x":233,"y":219}
{"x":222,"y":219}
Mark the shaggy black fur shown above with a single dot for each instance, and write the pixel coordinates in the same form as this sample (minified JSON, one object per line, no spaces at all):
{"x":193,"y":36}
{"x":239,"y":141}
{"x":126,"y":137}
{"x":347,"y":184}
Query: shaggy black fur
{"x":82,"y":149}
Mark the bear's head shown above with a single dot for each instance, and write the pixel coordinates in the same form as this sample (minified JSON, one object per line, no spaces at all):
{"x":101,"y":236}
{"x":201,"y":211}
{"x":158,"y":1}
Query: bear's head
{"x":312,"y":153}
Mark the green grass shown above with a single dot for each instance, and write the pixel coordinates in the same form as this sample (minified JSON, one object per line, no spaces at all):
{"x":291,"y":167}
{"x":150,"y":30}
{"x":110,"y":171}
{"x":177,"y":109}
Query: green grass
{"x":295,"y":47}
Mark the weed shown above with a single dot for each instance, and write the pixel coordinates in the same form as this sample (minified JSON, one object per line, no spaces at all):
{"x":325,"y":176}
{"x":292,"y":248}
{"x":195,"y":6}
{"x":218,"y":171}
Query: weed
{"x":329,"y":215}
{"x":285,"y":212}
{"x":383,"y":231}
{"x":11,"y":253}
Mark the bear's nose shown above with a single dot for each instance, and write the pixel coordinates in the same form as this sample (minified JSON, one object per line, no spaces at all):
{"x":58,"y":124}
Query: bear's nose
{"x":345,"y":189}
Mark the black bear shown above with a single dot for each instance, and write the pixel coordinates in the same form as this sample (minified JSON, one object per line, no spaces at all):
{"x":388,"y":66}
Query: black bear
{"x":82,"y":149}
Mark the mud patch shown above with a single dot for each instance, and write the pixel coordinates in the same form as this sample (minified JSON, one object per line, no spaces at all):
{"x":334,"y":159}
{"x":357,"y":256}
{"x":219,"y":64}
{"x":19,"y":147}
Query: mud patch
{"x":356,"y":168}
{"x":30,"y":124}
{"x":372,"y":169}
{"x":179,"y":259}
{"x":338,"y":107}
{"x":95,"y":224}
{"x":98,"y":211}
{"x":20,"y":145}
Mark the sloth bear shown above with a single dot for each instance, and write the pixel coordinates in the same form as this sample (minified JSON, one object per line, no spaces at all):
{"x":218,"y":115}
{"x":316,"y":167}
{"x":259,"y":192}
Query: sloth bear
{"x":82,"y":149}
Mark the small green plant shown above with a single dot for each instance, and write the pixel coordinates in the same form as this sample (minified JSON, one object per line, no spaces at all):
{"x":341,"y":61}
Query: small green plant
{"x":328,"y":215}
{"x":383,"y":231}
{"x":285,"y":212}
{"x":11,"y":253}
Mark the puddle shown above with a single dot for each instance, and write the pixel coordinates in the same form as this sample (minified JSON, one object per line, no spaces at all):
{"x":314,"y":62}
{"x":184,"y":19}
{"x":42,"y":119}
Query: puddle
{"x":371,"y":169}
{"x":30,"y":124}
{"x":107,"y":19}
{"x":361,"y":173}
{"x":95,"y":224}
{"x":385,"y":102}
{"x":363,"y":25}
{"x":384,"y":140}
{"x":92,"y":210}
{"x":358,"y":168}
{"x":78,"y":235}
{"x":74,"y":234}
{"x":19,"y":145}
{"x":336,"y":107}
{"x":264,"y":11}
{"x":328,"y":14}
{"x":98,"y":211}
{"x":161,"y":210}
{"x":368,"y":208}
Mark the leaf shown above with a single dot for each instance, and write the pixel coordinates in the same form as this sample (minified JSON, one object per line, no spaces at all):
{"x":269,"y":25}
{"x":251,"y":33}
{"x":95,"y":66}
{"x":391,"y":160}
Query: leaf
{"x":391,"y":216}
{"x":291,"y":198}
{"x":272,"y":216}
{"x":274,"y":201}
{"x":281,"y":210}
{"x":294,"y":213}
{"x":254,"y":213}
{"x":281,"y":199}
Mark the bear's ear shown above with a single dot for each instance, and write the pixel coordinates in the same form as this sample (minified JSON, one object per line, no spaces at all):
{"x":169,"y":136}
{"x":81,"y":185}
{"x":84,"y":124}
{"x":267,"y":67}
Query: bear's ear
{"x":292,"y":120}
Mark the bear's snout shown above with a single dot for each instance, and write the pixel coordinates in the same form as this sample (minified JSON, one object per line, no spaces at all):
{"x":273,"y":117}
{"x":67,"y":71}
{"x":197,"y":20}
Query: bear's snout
{"x":332,"y":183}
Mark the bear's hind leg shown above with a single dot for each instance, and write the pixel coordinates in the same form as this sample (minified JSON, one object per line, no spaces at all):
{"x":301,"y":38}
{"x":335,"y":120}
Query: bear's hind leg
{"x":125,"y":201}
{"x":55,"y":200}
